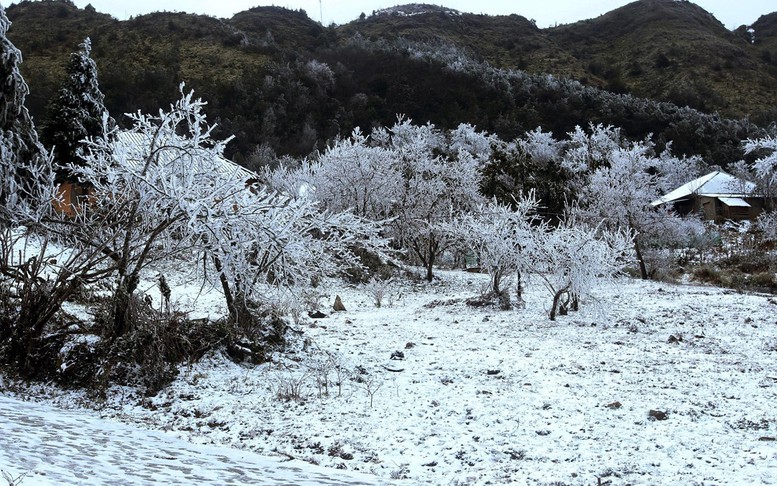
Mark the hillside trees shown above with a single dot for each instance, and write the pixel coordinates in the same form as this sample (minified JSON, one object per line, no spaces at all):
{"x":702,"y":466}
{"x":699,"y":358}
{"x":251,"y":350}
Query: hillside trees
{"x":35,"y":280}
{"x":21,"y":150}
{"x":76,"y":112}
{"x":167,"y":192}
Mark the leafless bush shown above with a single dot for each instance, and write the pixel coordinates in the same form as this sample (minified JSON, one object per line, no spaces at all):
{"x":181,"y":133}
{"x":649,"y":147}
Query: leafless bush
{"x":378,"y":289}
{"x":289,"y":386}
{"x":35,"y":280}
{"x":328,"y":371}
{"x":371,"y":385}
{"x":148,"y":354}
{"x":13,"y":481}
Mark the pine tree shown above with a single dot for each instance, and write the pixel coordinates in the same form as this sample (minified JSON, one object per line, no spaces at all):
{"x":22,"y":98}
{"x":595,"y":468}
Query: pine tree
{"x":76,"y":112}
{"x":20,"y":150}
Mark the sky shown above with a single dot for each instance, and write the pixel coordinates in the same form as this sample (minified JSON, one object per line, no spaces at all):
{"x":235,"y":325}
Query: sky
{"x":546,"y":13}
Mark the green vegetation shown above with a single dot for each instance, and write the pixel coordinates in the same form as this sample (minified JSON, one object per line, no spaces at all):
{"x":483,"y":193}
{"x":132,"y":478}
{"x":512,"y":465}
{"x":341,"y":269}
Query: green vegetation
{"x":277,"y":79}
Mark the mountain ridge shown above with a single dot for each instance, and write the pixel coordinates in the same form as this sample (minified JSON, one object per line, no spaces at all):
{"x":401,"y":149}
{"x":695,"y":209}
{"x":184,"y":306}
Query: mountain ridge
{"x":275,"y":77}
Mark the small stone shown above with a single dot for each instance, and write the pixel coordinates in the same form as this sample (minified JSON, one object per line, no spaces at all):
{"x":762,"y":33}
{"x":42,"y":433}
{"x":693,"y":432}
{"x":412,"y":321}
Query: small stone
{"x":409,"y":345}
{"x":338,"y":306}
{"x":316,"y":315}
{"x":397,"y":355}
{"x":493,"y":372}
{"x":614,"y":405}
{"x":657,"y":415}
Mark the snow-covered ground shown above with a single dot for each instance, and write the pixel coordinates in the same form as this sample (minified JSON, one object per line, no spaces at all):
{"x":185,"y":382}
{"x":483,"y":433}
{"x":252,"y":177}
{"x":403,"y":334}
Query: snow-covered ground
{"x":42,"y":445}
{"x":664,"y":384}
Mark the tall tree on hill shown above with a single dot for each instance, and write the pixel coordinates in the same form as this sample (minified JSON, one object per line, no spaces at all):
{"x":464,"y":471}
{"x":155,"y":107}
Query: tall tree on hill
{"x":20,"y":150}
{"x":77,"y":111}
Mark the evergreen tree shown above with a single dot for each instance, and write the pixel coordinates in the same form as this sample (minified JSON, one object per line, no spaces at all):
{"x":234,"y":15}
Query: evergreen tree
{"x":77,"y":111}
{"x":20,"y":150}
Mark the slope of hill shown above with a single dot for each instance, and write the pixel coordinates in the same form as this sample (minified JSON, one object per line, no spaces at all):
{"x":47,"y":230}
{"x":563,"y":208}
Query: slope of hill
{"x":504,"y":41}
{"x":277,"y":79}
{"x":673,"y":51}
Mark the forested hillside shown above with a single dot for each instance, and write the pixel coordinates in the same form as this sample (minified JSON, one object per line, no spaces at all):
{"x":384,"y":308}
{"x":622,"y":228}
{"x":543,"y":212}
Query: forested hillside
{"x":284,"y":84}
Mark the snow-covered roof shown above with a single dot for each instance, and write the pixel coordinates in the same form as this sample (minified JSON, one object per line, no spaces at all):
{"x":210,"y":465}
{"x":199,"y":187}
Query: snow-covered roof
{"x":132,"y":141}
{"x":715,"y":184}
{"x":734,"y":202}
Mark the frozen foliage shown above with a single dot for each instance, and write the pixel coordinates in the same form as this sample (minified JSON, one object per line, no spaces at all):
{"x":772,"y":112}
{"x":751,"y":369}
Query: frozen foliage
{"x":573,"y":259}
{"x":675,"y":171}
{"x":169,"y":193}
{"x":764,"y":168}
{"x":435,"y":189}
{"x":466,"y":138}
{"x":767,"y":224}
{"x":502,"y":239}
{"x":617,"y":181}
{"x":77,"y":111}
{"x":354,"y":175}
{"x":412,"y":179}
{"x":19,"y":144}
{"x":541,"y":147}
{"x":589,"y":151}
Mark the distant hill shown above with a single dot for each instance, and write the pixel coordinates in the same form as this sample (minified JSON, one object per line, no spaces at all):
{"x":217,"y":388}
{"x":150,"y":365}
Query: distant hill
{"x":277,"y":79}
{"x":674,"y":51}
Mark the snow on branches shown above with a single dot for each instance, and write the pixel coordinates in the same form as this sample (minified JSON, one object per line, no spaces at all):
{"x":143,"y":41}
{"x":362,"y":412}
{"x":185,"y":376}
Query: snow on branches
{"x":164,"y":190}
{"x":502,"y":239}
{"x":573,"y":259}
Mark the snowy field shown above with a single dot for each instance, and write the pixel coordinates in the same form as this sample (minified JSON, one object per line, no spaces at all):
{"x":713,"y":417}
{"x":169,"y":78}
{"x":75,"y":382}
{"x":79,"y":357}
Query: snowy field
{"x":658,"y":384}
{"x":42,"y":445}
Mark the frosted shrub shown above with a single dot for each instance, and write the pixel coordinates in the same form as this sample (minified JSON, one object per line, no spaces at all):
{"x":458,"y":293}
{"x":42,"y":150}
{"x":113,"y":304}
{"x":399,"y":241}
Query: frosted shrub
{"x":378,"y":289}
{"x":767,"y":225}
{"x":502,"y":239}
{"x":573,"y":259}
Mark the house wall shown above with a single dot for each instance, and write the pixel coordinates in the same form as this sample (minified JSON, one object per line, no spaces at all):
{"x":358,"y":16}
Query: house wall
{"x":713,"y":209}
{"x":72,"y":195}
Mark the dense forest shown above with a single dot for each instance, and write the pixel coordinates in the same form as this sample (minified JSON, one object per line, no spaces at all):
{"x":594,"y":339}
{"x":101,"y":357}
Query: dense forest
{"x":284,"y":84}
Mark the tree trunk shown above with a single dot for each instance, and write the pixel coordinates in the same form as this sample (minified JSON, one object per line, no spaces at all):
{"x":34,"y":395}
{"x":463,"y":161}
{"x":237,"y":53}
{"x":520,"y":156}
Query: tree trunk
{"x":556,"y":301}
{"x":640,"y":260}
{"x":239,"y":313}
{"x":430,"y":261}
{"x":121,"y":304}
{"x":228,"y":296}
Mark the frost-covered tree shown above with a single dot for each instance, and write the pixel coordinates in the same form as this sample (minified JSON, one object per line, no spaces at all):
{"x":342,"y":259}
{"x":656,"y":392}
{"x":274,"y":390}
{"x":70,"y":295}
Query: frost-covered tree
{"x":166,"y":191}
{"x":353,"y":175}
{"x":765,"y":166}
{"x":502,"y":239}
{"x":20,"y":150}
{"x":435,"y":189}
{"x":622,"y":179}
{"x":76,"y":112}
{"x":573,"y":259}
{"x":767,"y":225}
{"x":541,"y":147}
{"x":588,"y":151}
